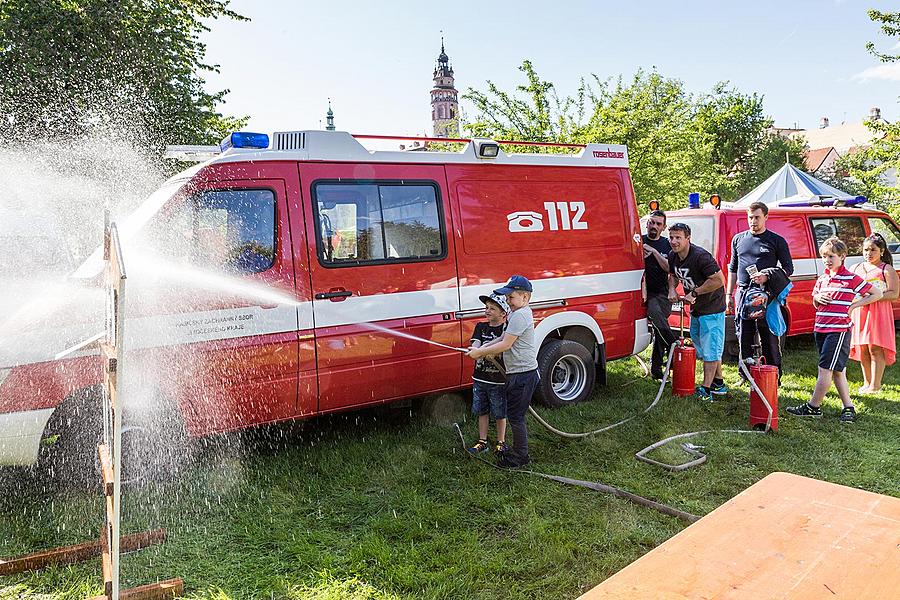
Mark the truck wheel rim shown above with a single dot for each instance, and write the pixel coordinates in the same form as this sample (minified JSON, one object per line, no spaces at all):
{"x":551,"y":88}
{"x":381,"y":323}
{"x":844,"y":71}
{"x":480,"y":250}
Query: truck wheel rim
{"x":568,"y":377}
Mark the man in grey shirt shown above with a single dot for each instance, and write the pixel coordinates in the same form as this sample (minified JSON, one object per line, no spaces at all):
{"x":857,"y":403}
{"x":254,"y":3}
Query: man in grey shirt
{"x":520,"y":360}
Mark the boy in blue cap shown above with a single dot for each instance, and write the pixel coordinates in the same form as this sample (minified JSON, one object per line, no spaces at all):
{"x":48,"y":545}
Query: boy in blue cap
{"x":520,"y":361}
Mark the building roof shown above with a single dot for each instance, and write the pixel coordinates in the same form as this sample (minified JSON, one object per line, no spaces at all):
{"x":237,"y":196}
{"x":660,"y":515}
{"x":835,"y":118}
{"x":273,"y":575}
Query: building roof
{"x":814,"y":158}
{"x":841,"y":137}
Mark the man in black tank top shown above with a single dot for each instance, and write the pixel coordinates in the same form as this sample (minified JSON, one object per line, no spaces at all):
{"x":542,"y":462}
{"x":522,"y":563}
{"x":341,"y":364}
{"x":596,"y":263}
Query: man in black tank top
{"x":656,"y":276}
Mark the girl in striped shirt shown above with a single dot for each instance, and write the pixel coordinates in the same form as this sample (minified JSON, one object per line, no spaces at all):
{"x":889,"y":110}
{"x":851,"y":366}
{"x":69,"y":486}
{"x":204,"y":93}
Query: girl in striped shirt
{"x":836,"y":294}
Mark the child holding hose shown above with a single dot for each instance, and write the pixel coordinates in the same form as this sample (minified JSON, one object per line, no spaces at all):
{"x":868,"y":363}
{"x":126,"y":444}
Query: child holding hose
{"x":488,"y":397}
{"x":520,"y":360}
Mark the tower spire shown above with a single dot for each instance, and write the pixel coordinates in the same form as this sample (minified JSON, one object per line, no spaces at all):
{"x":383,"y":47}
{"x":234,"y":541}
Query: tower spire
{"x":329,"y":118}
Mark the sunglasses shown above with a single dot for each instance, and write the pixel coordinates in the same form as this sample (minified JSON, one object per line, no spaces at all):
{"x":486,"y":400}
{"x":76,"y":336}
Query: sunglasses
{"x":682,"y":226}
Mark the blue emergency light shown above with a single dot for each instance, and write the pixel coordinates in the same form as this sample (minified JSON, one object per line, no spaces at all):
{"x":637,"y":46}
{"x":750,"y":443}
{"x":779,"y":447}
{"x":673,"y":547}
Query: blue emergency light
{"x":245,"y":139}
{"x":816,"y":201}
{"x":694,"y":200}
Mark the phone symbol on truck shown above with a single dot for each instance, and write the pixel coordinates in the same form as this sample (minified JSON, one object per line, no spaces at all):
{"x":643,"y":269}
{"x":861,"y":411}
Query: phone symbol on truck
{"x":525,"y":220}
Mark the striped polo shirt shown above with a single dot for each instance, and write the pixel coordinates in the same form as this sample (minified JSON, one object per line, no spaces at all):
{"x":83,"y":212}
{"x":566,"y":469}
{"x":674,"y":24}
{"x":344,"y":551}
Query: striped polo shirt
{"x":834,"y":317}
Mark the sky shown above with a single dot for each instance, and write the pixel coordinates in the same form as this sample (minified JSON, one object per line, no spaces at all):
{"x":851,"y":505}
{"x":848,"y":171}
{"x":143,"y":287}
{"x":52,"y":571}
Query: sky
{"x":375,"y":59}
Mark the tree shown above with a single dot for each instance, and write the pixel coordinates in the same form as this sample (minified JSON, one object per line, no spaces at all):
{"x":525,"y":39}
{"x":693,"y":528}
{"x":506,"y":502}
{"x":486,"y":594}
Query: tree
{"x":769,"y":156}
{"x":68,"y":67}
{"x":677,"y":143}
{"x":653,"y":115}
{"x":872,"y":166}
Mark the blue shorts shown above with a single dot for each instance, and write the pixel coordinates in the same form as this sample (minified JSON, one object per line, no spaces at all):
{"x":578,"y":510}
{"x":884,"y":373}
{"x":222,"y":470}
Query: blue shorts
{"x":708,"y":335}
{"x":834,"y":350}
{"x":487,"y":398}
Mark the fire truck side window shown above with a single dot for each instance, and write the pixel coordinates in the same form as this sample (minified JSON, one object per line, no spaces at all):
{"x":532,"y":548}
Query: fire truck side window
{"x":230,"y":230}
{"x":849,"y":229}
{"x":370,"y":223}
{"x":236,"y":229}
{"x":888,"y":231}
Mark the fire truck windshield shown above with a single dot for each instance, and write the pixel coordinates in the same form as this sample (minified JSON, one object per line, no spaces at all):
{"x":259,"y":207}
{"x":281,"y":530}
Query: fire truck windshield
{"x":702,"y":231}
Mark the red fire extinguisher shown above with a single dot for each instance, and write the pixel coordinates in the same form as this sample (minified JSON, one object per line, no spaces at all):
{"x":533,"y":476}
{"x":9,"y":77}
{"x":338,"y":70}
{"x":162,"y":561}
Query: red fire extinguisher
{"x":766,"y":379}
{"x":684,"y":364}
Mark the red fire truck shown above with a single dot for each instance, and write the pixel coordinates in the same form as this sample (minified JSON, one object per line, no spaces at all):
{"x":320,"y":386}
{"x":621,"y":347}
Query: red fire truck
{"x":340,"y":261}
{"x":804,"y":228}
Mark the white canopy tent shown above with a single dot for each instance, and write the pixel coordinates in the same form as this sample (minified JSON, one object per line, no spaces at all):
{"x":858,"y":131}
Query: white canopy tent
{"x":791,"y":185}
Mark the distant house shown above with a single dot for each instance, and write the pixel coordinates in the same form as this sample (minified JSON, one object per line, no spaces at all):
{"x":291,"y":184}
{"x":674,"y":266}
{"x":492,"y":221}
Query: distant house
{"x":840,"y":137}
{"x":829,"y":142}
{"x":820,"y":160}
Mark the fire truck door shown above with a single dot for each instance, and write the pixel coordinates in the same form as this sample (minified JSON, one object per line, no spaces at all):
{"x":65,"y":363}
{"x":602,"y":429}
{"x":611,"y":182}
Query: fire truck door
{"x":384,"y":282}
{"x":220,"y":318}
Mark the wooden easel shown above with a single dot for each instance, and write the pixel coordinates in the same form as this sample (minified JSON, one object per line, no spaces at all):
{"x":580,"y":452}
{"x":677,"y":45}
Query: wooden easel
{"x":111,"y":543}
{"x":112,"y":351}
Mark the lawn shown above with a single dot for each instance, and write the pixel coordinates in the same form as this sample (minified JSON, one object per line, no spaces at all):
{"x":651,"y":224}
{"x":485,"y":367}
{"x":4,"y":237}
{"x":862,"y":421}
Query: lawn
{"x":384,"y":504}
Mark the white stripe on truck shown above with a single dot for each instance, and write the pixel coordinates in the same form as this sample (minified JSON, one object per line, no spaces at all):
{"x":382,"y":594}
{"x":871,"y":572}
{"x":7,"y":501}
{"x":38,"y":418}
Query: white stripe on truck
{"x":232,"y":323}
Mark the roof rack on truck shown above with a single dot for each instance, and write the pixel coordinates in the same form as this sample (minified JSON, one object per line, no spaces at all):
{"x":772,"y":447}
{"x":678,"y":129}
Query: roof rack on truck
{"x":317,"y":145}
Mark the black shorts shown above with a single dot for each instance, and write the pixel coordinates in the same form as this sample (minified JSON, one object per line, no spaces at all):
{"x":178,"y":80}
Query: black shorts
{"x":834,"y":350}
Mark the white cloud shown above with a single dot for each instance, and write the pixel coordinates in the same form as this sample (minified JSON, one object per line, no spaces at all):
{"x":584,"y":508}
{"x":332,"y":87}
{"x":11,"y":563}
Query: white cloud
{"x":889,"y":71}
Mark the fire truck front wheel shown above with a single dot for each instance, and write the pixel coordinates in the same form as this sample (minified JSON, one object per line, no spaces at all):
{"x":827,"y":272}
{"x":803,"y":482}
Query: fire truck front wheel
{"x":68,"y":453}
{"x":567,"y":373}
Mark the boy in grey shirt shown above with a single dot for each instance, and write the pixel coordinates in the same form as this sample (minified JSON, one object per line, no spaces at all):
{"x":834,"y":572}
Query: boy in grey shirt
{"x":520,"y":360}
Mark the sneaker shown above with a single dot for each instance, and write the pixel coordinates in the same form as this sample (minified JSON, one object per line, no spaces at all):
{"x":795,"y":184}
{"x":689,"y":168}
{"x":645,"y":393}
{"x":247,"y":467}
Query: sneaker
{"x":848,"y":415}
{"x":703,"y":393}
{"x":719,"y":389}
{"x":500,"y":449}
{"x":508,"y":462}
{"x":805,"y":410}
{"x":480,"y":447}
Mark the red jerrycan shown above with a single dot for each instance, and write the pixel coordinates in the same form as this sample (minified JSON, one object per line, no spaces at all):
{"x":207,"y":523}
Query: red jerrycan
{"x":766,"y":378}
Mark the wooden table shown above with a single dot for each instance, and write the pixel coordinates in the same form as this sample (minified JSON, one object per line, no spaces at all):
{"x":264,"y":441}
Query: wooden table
{"x":785,"y":536}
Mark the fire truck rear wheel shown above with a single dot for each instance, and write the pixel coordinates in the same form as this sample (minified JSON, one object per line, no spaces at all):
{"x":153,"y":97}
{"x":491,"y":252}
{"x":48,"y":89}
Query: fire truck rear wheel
{"x":567,"y":373}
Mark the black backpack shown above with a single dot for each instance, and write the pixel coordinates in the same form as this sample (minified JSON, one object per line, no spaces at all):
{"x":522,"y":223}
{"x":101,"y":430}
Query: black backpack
{"x":754,"y":304}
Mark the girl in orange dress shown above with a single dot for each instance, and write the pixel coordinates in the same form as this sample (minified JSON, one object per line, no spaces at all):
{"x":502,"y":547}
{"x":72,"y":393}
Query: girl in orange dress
{"x":873,"y":341}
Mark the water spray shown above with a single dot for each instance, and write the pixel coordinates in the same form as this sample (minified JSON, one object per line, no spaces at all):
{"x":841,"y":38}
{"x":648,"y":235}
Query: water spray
{"x":409,"y":336}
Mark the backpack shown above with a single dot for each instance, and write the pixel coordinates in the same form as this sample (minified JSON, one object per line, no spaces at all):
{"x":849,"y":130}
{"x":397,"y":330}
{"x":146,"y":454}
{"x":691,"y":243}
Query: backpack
{"x":754,"y":304}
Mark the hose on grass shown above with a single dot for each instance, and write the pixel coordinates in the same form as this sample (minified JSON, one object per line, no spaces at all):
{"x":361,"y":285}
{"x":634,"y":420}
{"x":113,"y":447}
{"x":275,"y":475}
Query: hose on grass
{"x":694,"y":451}
{"x":592,"y":485}
{"x":570,"y":435}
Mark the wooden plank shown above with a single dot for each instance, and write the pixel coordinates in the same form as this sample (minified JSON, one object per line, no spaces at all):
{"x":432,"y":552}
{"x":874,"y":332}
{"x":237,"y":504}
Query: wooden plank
{"x":106,"y":560}
{"x":170,"y":588}
{"x":76,"y":553}
{"x":786,"y":536}
{"x":106,"y":469}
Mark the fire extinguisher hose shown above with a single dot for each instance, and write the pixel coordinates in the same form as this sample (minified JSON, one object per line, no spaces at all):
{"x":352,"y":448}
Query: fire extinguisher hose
{"x":699,"y":457}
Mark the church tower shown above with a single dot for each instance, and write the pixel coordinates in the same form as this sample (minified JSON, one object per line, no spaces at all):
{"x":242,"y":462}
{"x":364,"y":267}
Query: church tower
{"x":444,"y":104}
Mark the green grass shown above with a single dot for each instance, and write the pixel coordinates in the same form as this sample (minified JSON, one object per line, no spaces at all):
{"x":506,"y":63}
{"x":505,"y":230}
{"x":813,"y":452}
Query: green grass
{"x":372,"y":506}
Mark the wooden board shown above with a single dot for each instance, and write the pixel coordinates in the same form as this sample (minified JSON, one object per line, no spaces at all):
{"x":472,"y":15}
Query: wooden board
{"x":161,"y":590}
{"x":786,"y":536}
{"x":77,"y":553}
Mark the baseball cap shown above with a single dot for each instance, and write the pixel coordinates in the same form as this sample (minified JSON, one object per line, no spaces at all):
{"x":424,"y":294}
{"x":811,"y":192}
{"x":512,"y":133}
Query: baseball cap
{"x":515,"y":283}
{"x":498,"y":300}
